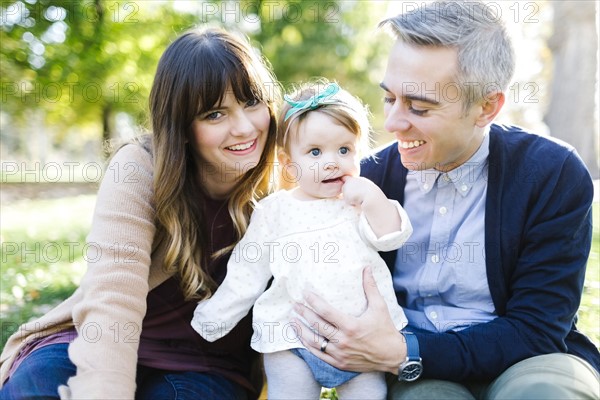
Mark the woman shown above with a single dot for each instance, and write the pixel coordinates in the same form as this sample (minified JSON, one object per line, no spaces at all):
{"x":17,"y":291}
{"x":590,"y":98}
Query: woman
{"x":169,"y":211}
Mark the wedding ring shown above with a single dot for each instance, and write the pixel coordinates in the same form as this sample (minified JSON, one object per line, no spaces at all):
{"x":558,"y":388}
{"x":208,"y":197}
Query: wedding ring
{"x":324,"y":345}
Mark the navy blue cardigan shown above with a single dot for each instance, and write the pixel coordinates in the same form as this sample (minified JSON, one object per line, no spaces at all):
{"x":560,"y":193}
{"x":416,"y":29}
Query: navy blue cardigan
{"x":538,"y":230}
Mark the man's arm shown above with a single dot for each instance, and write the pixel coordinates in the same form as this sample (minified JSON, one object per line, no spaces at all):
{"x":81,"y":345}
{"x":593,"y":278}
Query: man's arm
{"x":544,"y":288}
{"x":369,"y":342}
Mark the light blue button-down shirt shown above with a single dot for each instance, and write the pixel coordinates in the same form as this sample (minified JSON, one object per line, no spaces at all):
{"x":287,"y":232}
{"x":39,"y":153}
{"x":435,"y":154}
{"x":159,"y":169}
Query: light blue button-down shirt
{"x":441,"y":269}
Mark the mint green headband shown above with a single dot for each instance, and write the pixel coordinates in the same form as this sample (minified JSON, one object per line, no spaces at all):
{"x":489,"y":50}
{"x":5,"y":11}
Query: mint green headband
{"x":312,"y":103}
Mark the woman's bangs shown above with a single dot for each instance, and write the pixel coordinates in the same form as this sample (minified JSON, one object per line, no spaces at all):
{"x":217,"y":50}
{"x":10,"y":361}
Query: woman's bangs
{"x":247,"y":85}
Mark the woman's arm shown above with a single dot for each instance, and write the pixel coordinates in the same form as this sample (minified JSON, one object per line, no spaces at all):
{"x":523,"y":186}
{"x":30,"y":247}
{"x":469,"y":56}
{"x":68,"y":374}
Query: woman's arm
{"x":115,"y":286}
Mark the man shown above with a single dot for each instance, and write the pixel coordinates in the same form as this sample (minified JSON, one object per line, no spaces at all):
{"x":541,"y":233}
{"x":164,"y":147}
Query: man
{"x":492,"y":277}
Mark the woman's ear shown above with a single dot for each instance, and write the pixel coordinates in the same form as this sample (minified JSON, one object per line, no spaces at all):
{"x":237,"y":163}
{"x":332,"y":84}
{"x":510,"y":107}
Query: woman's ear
{"x":492,"y":104}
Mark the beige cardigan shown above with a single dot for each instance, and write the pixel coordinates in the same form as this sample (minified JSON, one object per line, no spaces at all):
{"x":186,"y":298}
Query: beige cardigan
{"x":110,"y":304}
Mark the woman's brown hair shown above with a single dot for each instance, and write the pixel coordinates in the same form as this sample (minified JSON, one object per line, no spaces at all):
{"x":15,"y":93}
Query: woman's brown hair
{"x":192,"y":76}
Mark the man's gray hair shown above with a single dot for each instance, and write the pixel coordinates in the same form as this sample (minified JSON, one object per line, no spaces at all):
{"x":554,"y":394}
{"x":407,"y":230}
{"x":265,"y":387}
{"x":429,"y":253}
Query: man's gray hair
{"x":486,"y":60}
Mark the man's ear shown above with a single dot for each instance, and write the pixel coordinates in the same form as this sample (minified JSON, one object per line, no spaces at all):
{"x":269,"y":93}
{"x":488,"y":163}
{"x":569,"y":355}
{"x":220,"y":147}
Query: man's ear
{"x":492,"y":104}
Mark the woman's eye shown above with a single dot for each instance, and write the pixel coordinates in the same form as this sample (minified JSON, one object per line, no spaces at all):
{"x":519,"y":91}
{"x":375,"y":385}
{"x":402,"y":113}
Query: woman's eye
{"x":344,"y":150}
{"x":213,"y":115}
{"x":315,"y":152}
{"x":252,"y":102}
{"x":389,"y":100}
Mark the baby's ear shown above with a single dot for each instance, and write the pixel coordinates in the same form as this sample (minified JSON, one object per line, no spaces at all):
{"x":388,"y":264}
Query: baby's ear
{"x":283,"y":158}
{"x":287,"y":178}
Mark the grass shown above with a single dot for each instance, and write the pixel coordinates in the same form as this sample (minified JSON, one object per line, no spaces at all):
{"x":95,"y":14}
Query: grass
{"x":43,"y":250}
{"x":42,"y":256}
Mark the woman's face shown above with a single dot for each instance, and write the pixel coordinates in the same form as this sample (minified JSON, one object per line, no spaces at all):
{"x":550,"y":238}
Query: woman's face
{"x":228,"y":140}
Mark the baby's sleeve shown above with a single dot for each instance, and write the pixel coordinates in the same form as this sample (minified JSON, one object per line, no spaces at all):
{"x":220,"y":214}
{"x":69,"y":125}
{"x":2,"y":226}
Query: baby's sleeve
{"x":390,"y":241}
{"x":248,"y":273}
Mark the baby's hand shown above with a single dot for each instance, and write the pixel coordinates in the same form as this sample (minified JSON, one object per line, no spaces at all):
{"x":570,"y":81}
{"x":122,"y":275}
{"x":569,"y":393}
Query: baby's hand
{"x":358,"y":190}
{"x":382,"y":215}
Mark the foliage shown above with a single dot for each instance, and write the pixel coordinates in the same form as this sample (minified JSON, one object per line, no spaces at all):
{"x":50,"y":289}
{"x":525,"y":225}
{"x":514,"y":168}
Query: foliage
{"x":336,"y":40}
{"x":74,"y":70}
{"x":77,"y":64}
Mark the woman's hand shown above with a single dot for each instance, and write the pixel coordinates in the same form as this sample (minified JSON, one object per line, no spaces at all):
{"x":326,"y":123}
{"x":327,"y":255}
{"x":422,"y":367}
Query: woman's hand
{"x":369,"y":342}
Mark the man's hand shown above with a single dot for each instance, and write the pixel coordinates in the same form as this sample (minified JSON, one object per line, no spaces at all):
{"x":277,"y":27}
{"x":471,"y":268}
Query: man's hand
{"x":369,"y":342}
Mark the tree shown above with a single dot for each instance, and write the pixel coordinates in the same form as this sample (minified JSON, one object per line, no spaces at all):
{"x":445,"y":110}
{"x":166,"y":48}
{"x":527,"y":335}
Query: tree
{"x":75,"y":66}
{"x":571,"y":115}
{"x":78,"y":64}
{"x":303,"y":40}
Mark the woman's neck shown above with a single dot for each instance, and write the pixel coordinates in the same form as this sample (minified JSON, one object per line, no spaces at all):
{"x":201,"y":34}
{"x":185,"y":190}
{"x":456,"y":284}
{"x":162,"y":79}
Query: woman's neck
{"x":215,"y":187}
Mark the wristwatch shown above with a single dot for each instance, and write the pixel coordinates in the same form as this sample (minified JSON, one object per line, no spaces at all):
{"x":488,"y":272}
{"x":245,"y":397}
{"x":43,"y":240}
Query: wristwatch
{"x":412,"y":368}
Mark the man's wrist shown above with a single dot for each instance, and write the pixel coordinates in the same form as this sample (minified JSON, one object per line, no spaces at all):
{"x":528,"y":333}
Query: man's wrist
{"x":397,"y":356}
{"x":411,"y":368}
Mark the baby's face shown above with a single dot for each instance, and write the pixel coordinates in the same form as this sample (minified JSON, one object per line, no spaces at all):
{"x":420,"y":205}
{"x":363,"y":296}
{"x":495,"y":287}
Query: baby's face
{"x":321,"y":152}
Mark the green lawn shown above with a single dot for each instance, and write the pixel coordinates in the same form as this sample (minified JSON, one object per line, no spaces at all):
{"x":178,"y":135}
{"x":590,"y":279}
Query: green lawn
{"x":43,"y":248}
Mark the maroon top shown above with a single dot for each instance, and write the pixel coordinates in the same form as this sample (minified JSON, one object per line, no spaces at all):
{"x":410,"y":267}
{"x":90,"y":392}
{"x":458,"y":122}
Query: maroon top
{"x":168,"y":340}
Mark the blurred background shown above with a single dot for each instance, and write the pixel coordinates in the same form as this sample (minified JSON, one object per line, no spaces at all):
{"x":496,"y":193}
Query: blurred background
{"x":75,"y":74}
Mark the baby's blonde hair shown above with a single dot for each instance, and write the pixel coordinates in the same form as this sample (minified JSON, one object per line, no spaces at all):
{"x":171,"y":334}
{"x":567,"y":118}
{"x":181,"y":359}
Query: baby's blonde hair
{"x":346,"y":109}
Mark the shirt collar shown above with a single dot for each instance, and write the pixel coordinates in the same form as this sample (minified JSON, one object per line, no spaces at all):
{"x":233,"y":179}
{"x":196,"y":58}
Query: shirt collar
{"x":425,"y":178}
{"x":463,"y":177}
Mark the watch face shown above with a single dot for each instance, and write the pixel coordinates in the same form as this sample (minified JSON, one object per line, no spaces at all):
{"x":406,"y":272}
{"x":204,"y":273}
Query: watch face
{"x":411,"y":371}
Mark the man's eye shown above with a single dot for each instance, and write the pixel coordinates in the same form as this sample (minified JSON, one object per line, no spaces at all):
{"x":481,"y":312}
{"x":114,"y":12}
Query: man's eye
{"x":416,"y":111}
{"x":315,"y":152}
{"x":389,"y":100}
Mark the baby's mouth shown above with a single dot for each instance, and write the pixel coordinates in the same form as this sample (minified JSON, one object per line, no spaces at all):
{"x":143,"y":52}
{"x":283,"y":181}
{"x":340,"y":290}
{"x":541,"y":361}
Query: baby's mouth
{"x":332,"y":180}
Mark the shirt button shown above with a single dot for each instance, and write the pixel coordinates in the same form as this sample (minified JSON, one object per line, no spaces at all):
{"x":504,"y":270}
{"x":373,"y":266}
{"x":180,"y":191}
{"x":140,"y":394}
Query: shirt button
{"x":464,"y":187}
{"x":425,"y":186}
{"x":443,"y":210}
{"x":446,"y":178}
{"x":433,"y":315}
{"x":435,"y":258}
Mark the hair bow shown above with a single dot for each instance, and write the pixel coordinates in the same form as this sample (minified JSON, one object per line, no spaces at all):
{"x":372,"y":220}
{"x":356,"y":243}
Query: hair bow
{"x":312,"y":103}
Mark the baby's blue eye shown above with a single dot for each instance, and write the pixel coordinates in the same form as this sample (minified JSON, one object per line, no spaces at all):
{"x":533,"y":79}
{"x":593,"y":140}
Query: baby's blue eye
{"x":315,"y":152}
{"x":344,"y":150}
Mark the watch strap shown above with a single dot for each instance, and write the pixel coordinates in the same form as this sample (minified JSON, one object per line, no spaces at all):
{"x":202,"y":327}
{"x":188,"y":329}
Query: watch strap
{"x":412,"y":347}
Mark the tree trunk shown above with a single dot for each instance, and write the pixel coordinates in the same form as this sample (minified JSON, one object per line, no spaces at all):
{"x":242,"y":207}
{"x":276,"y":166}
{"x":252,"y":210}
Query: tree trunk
{"x":571,"y":114}
{"x":106,"y":123}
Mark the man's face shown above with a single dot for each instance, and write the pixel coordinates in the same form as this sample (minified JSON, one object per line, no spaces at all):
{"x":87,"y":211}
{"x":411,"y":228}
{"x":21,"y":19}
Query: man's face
{"x":424,"y":108}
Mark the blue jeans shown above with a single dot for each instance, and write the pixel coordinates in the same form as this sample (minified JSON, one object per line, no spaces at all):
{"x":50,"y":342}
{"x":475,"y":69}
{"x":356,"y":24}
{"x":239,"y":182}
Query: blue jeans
{"x":40,"y":374}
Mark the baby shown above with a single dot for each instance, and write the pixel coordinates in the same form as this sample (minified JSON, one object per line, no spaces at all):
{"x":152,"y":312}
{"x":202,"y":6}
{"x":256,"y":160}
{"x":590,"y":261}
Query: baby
{"x":319,"y":235}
